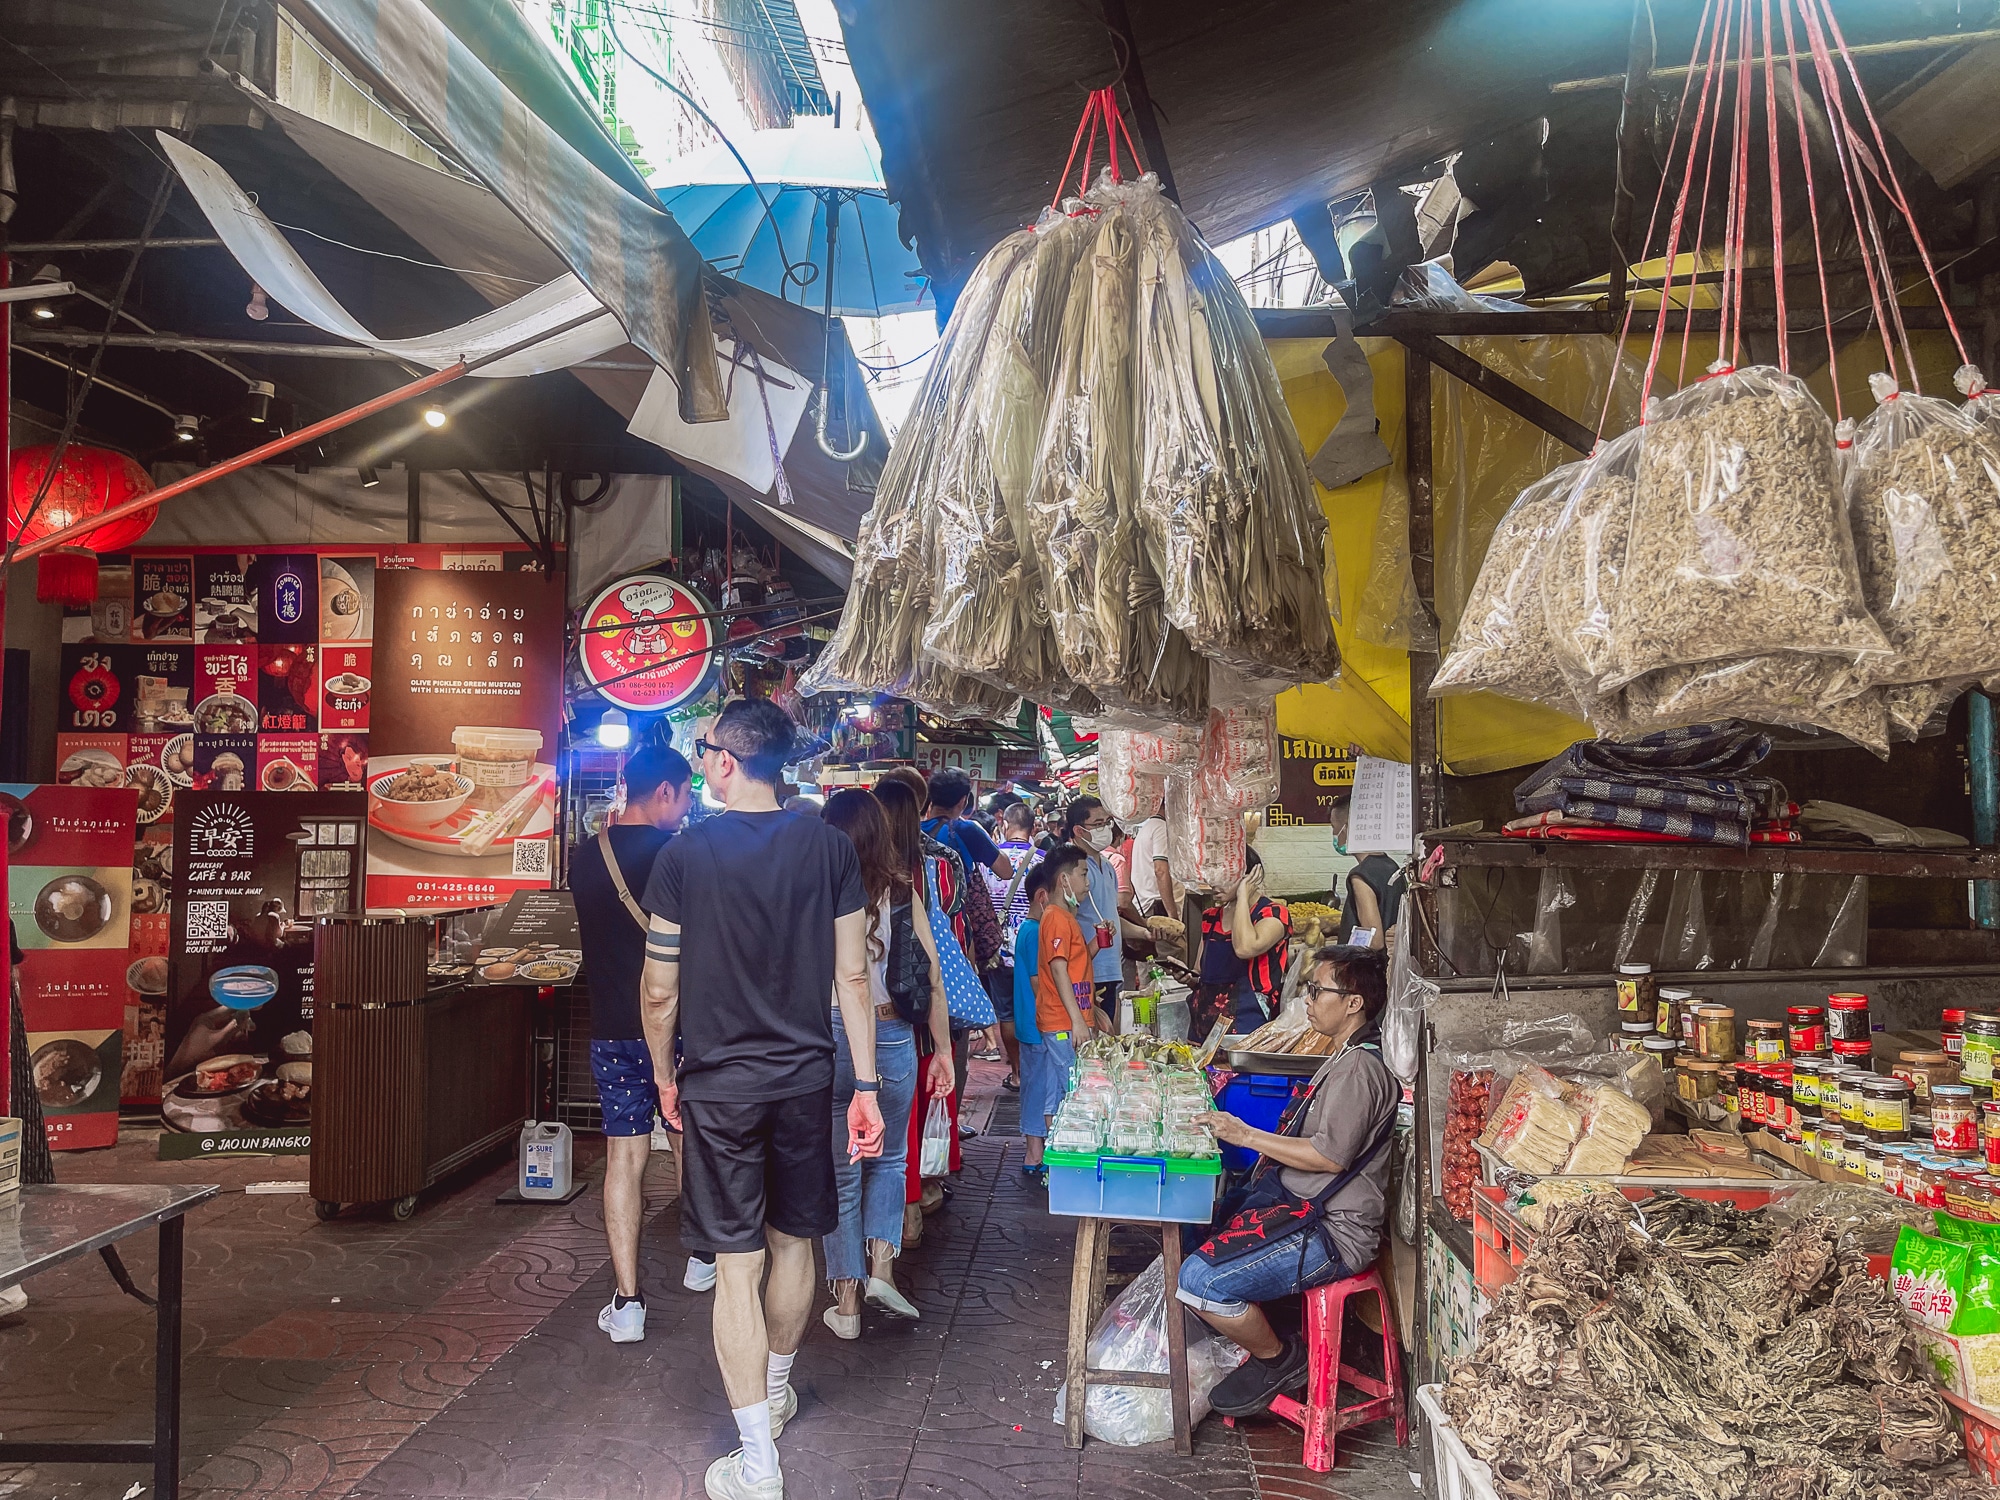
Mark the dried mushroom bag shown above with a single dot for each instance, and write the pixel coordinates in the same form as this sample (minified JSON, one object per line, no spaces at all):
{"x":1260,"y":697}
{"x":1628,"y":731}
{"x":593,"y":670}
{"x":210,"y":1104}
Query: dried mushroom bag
{"x":875,"y":646}
{"x":1230,"y":520}
{"x":1785,"y":687}
{"x":1924,"y":497}
{"x":1503,"y":645}
{"x":1582,"y":571}
{"x":1739,"y":542}
{"x":990,"y":618}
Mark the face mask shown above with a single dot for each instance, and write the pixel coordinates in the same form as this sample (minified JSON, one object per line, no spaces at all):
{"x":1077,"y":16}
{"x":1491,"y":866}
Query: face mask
{"x":1098,"y":838}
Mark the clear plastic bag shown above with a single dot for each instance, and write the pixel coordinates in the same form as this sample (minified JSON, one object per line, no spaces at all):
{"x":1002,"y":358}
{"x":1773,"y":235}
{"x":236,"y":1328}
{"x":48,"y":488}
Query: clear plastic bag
{"x":1238,"y":761}
{"x":1582,"y":571}
{"x":1783,"y":688}
{"x":1231,"y":524}
{"x":934,"y":1159}
{"x":1131,"y":1334}
{"x":1918,"y":710}
{"x":1206,"y":847}
{"x":1614,"y":1123}
{"x":1924,"y":497}
{"x":1502,"y":645}
{"x":1129,"y":794}
{"x":1739,"y":541}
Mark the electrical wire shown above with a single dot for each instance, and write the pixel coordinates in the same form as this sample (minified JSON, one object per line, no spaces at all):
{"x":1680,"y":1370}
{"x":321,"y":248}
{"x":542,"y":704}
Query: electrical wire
{"x":409,"y":260}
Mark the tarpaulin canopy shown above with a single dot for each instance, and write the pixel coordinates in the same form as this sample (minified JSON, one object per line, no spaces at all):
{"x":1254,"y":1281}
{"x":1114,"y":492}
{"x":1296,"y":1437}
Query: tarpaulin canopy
{"x":627,"y":250}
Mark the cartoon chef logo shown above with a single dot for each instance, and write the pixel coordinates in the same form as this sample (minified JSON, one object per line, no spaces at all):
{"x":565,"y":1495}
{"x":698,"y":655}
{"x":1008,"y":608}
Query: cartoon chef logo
{"x":648,"y":642}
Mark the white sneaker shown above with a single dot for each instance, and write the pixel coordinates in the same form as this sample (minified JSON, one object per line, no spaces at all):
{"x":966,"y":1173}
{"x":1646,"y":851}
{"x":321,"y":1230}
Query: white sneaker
{"x":844,"y":1325}
{"x":627,"y":1324}
{"x":700,"y":1275}
{"x":784,"y":1407}
{"x":725,"y":1481}
{"x":885,"y":1296}
{"x":15,"y":1299}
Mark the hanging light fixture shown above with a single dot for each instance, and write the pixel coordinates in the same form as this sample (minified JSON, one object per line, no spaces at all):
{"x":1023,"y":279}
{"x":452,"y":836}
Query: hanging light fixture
{"x":369,"y":478}
{"x":257,"y":309}
{"x":434,"y":416}
{"x":261,"y":392}
{"x":89,"y":482}
{"x":614,"y":730}
{"x":187,"y":428}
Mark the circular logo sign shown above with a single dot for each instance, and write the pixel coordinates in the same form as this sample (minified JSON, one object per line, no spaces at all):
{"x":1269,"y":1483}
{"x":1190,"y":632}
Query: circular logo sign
{"x":644,"y":645}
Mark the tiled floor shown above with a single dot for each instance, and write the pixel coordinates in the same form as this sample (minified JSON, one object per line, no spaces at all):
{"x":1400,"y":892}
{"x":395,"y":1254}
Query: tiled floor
{"x":457,"y":1356}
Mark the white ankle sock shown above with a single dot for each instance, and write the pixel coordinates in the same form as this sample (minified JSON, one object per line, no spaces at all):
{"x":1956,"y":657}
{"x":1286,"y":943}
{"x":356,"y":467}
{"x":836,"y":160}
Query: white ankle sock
{"x":780,"y":1374}
{"x":760,"y":1454}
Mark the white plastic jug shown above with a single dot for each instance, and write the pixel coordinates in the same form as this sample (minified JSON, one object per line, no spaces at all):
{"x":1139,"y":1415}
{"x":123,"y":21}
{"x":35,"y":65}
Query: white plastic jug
{"x":545,"y":1160}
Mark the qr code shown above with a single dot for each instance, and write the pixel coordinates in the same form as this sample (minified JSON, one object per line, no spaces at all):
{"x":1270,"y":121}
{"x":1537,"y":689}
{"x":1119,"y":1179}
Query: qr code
{"x":207,"y":921}
{"x":531,"y":856}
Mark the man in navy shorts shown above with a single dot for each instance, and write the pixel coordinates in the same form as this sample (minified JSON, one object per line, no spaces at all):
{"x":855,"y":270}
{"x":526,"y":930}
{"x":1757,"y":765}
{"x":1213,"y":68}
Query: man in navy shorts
{"x":659,"y":789}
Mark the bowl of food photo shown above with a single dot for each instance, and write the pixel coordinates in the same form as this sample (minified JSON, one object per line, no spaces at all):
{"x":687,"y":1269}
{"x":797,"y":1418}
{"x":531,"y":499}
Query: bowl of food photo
{"x":225,"y":713}
{"x":417,"y":798}
{"x":66,"y":1072}
{"x":73,"y":909}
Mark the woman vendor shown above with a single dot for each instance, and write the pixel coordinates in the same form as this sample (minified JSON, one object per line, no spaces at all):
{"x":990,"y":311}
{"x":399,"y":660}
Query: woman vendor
{"x":1245,"y":941}
{"x":1314,"y":1211}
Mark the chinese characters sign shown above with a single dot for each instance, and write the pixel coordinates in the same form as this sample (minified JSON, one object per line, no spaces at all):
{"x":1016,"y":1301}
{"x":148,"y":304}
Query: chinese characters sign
{"x":647,"y":619}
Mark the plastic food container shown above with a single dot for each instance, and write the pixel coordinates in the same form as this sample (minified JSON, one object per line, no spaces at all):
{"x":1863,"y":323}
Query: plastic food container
{"x":1178,"y":1190}
{"x":1715,"y":1033}
{"x":498,"y":762}
{"x":1982,"y":1041}
{"x":1924,"y":1069}
{"x":1672,"y":1005}
{"x":1954,"y":1120}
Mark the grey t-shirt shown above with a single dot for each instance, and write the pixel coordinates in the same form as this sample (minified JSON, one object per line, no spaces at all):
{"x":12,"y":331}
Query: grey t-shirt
{"x":1353,"y":1094}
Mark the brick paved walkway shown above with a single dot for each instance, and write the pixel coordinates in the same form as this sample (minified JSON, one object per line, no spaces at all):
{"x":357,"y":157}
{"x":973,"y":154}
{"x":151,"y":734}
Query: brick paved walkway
{"x":457,"y":1356}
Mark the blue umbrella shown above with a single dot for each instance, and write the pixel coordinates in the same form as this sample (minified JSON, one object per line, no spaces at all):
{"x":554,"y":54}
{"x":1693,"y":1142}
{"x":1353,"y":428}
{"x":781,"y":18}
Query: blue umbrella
{"x":773,"y":234}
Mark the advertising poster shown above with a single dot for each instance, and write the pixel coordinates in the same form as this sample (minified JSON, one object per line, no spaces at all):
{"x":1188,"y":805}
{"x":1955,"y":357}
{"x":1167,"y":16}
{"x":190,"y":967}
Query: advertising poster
{"x":1310,"y":776}
{"x":252,"y":871}
{"x":648,"y":643}
{"x":532,"y":940}
{"x":69,"y":897}
{"x":462,"y":735}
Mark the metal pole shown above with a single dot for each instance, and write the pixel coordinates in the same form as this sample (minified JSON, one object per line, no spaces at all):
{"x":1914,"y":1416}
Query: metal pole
{"x":415,"y":494}
{"x":1985,"y":801}
{"x":1423,"y":568}
{"x":167,"y":1364}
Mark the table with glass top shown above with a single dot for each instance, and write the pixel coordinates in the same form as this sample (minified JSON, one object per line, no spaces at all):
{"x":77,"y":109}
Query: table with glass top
{"x":40,"y":1228}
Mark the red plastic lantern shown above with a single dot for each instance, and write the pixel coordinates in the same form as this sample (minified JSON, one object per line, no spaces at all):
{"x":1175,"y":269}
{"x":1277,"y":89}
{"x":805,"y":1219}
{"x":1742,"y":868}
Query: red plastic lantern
{"x":90,"y":482}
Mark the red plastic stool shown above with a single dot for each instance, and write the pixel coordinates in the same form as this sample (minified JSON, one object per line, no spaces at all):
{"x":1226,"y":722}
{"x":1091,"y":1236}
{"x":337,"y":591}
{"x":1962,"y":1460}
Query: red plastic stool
{"x":1319,"y":1417}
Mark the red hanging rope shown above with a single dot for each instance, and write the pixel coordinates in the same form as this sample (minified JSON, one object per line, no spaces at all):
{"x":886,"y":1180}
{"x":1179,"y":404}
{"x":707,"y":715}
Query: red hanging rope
{"x":1100,"y":112}
{"x":1714,"y":129}
{"x":1679,"y":219}
{"x":1812,"y":203}
{"x":1740,"y":175}
{"x":1777,"y":194}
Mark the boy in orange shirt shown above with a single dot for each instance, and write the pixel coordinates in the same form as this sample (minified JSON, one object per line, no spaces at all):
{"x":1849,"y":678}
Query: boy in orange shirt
{"x":1063,"y":979}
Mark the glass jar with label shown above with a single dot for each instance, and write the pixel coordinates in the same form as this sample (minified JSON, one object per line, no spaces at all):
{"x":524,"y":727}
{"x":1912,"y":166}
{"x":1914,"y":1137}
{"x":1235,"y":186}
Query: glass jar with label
{"x":1715,"y":1033}
{"x":1952,"y":1032}
{"x":1893,"y":1159}
{"x":1735,"y":1092}
{"x":1638,"y":997}
{"x":1632,"y":1035}
{"x":1805,"y":1081}
{"x":1700,"y":1080}
{"x":1982,"y":1040}
{"x":1885,"y":1105}
{"x":1809,"y":1123}
{"x":1805,"y":1029}
{"x":1674,"y":1001}
{"x":1923,"y":1067}
{"x":1832,"y":1142}
{"x":1765,"y":1041}
{"x":1853,"y":1105}
{"x":1967,"y":1195}
{"x":1856,"y":1055}
{"x":1847,"y":1018}
{"x":1872,"y":1165}
{"x":1954,"y":1120}
{"x":1989,"y":1136}
{"x":1854,"y":1154}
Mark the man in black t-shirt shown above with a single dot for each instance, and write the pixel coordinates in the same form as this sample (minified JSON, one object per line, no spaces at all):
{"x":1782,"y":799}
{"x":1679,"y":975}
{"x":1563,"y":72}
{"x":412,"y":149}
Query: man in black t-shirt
{"x":759,"y":924}
{"x":659,"y":789}
{"x":1376,"y":887}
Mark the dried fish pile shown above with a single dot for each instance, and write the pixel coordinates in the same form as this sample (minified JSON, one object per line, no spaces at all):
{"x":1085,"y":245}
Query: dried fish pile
{"x":1503,"y":645}
{"x":1619,"y":1368}
{"x":1924,"y":494}
{"x":1783,"y":688}
{"x":1739,"y":540}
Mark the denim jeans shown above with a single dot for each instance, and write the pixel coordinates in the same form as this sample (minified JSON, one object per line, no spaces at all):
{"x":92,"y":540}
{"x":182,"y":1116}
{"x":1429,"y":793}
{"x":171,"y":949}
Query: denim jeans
{"x":1284,"y":1266}
{"x":871,"y":1190}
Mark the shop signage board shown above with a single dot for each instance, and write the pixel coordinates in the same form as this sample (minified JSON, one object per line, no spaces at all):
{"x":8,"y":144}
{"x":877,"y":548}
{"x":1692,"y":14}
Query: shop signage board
{"x":219,"y":669}
{"x":648,"y":618}
{"x":980,"y":762}
{"x":1310,"y":776}
{"x":70,"y":897}
{"x":463,"y":732}
{"x":533,"y":940}
{"x":252,"y":872}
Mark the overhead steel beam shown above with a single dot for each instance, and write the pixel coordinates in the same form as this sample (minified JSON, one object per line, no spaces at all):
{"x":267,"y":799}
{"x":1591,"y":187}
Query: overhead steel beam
{"x":1498,"y":388}
{"x":1119,"y":22}
{"x":64,"y":247}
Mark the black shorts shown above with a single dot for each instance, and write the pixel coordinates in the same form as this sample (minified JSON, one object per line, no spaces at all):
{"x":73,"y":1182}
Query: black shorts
{"x":745,"y":1166}
{"x":1108,"y":991}
{"x":1000,"y":990}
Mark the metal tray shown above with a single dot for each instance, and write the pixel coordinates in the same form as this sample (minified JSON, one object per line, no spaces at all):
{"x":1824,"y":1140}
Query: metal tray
{"x":1283,"y":1064}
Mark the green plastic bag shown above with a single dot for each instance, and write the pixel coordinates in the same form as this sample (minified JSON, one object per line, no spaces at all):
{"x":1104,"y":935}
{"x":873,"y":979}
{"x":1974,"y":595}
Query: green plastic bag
{"x":1948,"y":1284}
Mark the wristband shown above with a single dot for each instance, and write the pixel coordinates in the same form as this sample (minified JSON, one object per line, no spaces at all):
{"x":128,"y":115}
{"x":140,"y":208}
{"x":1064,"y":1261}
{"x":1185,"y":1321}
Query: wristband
{"x":867,"y":1085}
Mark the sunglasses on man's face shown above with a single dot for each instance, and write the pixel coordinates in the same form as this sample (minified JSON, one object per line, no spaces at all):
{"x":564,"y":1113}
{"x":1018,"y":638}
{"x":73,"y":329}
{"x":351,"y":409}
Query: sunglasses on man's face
{"x":703,"y":747}
{"x":1314,"y":991}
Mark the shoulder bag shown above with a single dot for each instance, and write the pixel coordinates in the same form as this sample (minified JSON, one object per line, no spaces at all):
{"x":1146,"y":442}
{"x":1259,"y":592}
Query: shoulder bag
{"x":965,"y":996}
{"x":908,"y":973}
{"x":638,"y":912}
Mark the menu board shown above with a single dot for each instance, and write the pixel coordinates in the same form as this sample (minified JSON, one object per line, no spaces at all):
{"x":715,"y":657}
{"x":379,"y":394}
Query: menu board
{"x":239,"y":671}
{"x":70,"y":898}
{"x":533,"y":940}
{"x":462,"y":738}
{"x":254,"y":871}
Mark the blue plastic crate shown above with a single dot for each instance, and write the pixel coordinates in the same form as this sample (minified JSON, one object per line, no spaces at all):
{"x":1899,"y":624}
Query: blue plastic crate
{"x":1259,"y":1101}
{"x":1179,"y":1190}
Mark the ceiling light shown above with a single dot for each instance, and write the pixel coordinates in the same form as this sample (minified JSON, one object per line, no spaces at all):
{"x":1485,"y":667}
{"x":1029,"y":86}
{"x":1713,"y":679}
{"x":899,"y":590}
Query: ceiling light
{"x":614,"y":731}
{"x":434,"y":416}
{"x":257,"y":309}
{"x":369,"y":478}
{"x":187,"y":428}
{"x":44,"y":289}
{"x":261,"y":392}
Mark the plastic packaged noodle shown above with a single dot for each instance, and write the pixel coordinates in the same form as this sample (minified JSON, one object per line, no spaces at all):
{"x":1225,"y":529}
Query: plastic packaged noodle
{"x":1205,"y":843}
{"x":1238,"y":763}
{"x":1502,"y":644}
{"x":1582,"y":572}
{"x":1231,"y":523}
{"x":1924,"y":497}
{"x":1130,"y":795}
{"x":1612,"y":1127}
{"x":874,"y":647}
{"x":1739,"y":541}
{"x":991,"y":617}
{"x":1782,"y":688}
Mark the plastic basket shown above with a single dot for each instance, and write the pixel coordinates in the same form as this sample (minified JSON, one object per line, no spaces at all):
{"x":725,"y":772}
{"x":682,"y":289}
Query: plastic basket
{"x":1173,"y":1189}
{"x":1259,"y":1101}
{"x":1460,"y":1475}
{"x":1499,"y":1240}
{"x":1982,"y":1436}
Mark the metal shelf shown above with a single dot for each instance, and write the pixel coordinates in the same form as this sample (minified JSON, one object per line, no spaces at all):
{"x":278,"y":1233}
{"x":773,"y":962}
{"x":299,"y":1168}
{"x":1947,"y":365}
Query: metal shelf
{"x":1495,"y":850}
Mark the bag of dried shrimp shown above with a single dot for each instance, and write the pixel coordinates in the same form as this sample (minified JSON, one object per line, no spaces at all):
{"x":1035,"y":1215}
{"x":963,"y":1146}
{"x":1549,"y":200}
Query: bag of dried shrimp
{"x":1739,"y":541}
{"x":1582,"y":569}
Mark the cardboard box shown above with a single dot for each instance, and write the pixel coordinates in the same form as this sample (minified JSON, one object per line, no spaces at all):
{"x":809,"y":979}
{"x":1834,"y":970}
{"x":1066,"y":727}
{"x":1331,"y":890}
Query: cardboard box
{"x":10,"y":1155}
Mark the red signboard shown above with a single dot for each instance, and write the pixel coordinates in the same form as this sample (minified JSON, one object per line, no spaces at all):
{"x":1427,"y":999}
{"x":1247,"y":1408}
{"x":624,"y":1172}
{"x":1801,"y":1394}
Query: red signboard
{"x":647,"y":618}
